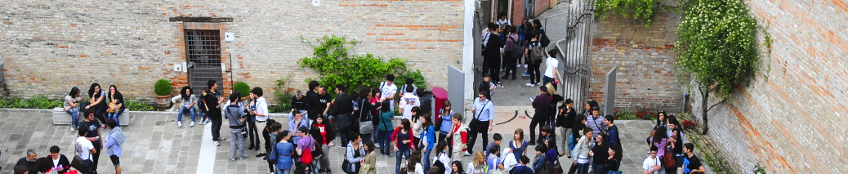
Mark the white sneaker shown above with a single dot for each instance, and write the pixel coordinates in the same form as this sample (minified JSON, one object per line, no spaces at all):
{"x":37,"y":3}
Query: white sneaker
{"x":192,"y":124}
{"x":528,"y":84}
{"x":216,"y":143}
{"x":466,"y":153}
{"x":525,"y":65}
{"x":518,"y":66}
{"x":179,"y":124}
{"x":72,"y":128}
{"x":377,"y":145}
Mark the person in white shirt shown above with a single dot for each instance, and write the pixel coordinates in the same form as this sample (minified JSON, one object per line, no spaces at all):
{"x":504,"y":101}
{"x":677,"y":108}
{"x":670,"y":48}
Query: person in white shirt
{"x":503,"y":21}
{"x":408,"y":101}
{"x":551,"y":72}
{"x":388,"y":91}
{"x":259,"y":114}
{"x":652,"y":164}
{"x":84,"y":147}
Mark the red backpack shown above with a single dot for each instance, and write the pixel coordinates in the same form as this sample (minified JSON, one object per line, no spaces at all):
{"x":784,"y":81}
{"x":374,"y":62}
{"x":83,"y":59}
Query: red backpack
{"x":306,"y":158}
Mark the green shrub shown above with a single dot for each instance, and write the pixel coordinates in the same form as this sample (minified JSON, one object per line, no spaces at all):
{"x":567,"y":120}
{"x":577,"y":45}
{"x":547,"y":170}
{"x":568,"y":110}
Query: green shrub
{"x":336,"y":66}
{"x":162,"y":87}
{"x":137,"y":105}
{"x":242,"y":88}
{"x":34,"y":102}
{"x":283,"y":95}
{"x":417,"y":78}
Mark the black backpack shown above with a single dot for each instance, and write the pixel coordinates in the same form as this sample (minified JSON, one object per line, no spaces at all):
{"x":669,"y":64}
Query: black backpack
{"x":517,"y":50}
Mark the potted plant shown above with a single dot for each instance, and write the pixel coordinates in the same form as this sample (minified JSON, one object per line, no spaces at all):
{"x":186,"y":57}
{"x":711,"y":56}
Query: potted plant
{"x":163,"y":90}
{"x":243,"y":89}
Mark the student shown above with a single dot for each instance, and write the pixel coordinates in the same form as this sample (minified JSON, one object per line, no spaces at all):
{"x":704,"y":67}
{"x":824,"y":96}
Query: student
{"x":413,"y":165}
{"x":271,"y":131}
{"x":189,"y":101}
{"x":298,"y":102}
{"x":492,"y":53}
{"x":565,"y":120}
{"x":388,"y":91}
{"x":428,"y":137}
{"x":116,"y":104}
{"x":522,"y":168}
{"x":539,"y":161}
{"x":90,"y":126}
{"x":455,"y":168}
{"x":369,"y":164}
{"x":71,"y":106}
{"x":355,"y":153}
{"x":236,"y":116}
{"x":542,"y":106}
{"x":84,"y":147}
{"x":518,"y":145}
{"x":496,"y":140}
{"x":443,"y":159}
{"x":581,"y":151}
{"x":691,"y":163}
{"x":612,"y":162}
{"x":599,"y":155}
{"x":114,"y":139}
{"x":384,"y":129}
{"x":282,"y":153}
{"x":402,"y":138}
{"x":258,"y":116}
{"x":493,"y":160}
{"x":551,"y":73}
{"x":445,"y":121}
{"x":325,"y":135}
{"x":460,"y":131}
{"x":60,"y":160}
{"x":96,"y":101}
{"x":212,"y":101}
{"x":486,"y":86}
{"x":652,"y":164}
{"x":478,"y":164}
{"x":297,"y":123}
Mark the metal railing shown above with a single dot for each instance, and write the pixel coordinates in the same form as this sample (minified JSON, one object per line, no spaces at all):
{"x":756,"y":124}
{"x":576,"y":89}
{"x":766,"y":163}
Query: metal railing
{"x":576,"y":50}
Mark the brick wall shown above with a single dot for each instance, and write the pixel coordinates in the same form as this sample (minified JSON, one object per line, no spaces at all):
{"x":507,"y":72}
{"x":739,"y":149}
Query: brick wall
{"x":49,"y":47}
{"x":791,"y":118}
{"x":645,"y":59}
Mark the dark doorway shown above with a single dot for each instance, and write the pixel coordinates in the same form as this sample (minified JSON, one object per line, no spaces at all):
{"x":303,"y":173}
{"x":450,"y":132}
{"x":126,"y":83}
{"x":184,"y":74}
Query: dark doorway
{"x":203,"y":56}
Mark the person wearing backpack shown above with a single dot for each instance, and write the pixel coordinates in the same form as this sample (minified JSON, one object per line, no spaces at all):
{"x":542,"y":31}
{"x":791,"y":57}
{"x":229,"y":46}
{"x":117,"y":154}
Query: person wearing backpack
{"x":304,"y":149}
{"x":237,"y":117}
{"x":543,"y":37}
{"x":535,"y":51}
{"x":492,"y":53}
{"x":512,"y":52}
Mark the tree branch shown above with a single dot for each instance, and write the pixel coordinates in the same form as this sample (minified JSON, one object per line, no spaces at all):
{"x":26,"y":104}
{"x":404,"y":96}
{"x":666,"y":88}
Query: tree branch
{"x":716,"y":104}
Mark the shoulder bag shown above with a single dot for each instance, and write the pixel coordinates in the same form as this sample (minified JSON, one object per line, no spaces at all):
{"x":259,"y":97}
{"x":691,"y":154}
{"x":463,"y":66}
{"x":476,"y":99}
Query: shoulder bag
{"x":365,"y":127}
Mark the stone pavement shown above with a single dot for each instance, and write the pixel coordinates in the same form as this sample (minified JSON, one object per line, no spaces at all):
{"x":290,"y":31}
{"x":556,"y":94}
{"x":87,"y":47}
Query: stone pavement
{"x":156,"y":145}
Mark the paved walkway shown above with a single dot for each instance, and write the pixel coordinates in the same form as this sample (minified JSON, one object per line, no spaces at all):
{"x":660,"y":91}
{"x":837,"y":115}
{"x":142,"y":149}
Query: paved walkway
{"x":156,"y":145}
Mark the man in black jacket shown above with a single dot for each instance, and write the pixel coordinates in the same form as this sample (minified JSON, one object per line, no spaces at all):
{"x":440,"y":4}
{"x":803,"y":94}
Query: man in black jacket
{"x":542,"y":104}
{"x":492,"y":53}
{"x":313,"y":104}
{"x":343,"y":108}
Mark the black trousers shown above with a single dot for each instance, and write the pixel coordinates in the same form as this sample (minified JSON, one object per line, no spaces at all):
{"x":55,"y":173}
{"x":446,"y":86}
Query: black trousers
{"x":494,"y":71}
{"x":540,"y":119}
{"x":533,"y":69}
{"x":95,"y":157}
{"x":252,"y":134}
{"x":215,"y":115}
{"x":478,"y":127}
{"x":509,"y":65}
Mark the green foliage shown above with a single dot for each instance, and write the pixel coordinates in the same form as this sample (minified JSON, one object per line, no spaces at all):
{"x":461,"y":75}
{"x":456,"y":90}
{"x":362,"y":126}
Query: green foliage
{"x":162,"y":87}
{"x":643,"y":113}
{"x":34,"y":102}
{"x":417,"y":78}
{"x":716,"y":44}
{"x":137,"y":105}
{"x":336,"y":65}
{"x":283,"y":94}
{"x":242,"y":88}
{"x":758,"y":169}
{"x":643,"y":10}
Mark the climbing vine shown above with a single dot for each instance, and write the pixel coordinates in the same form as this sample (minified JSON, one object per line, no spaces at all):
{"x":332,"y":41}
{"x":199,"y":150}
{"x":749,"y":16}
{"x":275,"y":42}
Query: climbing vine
{"x":643,"y":10}
{"x":716,"y":47}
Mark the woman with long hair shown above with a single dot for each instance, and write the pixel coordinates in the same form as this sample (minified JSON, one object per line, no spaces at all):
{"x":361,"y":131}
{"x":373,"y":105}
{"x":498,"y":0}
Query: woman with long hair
{"x":116,"y":104}
{"x":323,"y":132}
{"x":355,"y":153}
{"x":599,"y":155}
{"x":445,"y":122}
{"x":428,"y":137}
{"x":442,"y":158}
{"x":478,"y":164}
{"x":189,"y":101}
{"x":385,"y":128}
{"x":456,"y":167}
{"x":413,"y":165}
{"x":71,"y":106}
{"x":97,"y":101}
{"x":403,"y":142}
{"x":518,"y":144}
{"x":369,"y":164}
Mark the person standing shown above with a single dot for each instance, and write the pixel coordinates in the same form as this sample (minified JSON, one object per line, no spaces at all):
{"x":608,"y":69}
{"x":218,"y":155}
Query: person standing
{"x":512,"y":52}
{"x":116,"y":104}
{"x":60,"y":160}
{"x":428,"y":137}
{"x":114,"y":139}
{"x":84,"y":148}
{"x":71,"y":106}
{"x":652,"y":164}
{"x":282,"y":153}
{"x":235,"y":113}
{"x":344,"y":108}
{"x":354,"y":152}
{"x":542,"y":106}
{"x":445,"y":120}
{"x":599,"y":154}
{"x":402,"y":139}
{"x":29,"y":161}
{"x":533,"y":62}
{"x":388,"y":91}
{"x":305,"y":145}
{"x":460,"y":131}
{"x":492,"y":53}
{"x":385,"y":128}
{"x":407,"y":102}
{"x":258,"y":112}
{"x":213,"y":100}
{"x":691,"y":163}
{"x":565,"y":120}
{"x":298,"y":102}
{"x":326,"y":134}
{"x":614,"y":141}
{"x":369,"y":164}
{"x":595,"y":121}
{"x":91,"y":125}
{"x":551,"y":73}
{"x":484,"y":115}
{"x":314,"y":106}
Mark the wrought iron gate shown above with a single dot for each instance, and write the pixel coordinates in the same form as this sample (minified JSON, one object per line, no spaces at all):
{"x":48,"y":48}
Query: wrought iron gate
{"x":203,"y":56}
{"x":576,"y":51}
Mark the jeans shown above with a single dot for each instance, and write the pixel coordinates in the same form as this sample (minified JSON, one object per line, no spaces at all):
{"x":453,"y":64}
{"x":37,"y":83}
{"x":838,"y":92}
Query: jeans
{"x":365,"y":137}
{"x":74,"y":111}
{"x":325,"y":159}
{"x":115,"y":116}
{"x":539,"y":119}
{"x":384,"y":141}
{"x":583,"y":168}
{"x":478,"y":127}
{"x":284,"y":171}
{"x":400,"y":153}
{"x":251,"y":131}
{"x":236,"y":143}
{"x":426,"y":159}
{"x":183,"y":109}
{"x":598,"y":169}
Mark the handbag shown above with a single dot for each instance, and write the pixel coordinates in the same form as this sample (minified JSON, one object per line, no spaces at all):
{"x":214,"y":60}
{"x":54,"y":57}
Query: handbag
{"x":346,"y":166}
{"x":556,"y":168}
{"x":571,"y":141}
{"x":668,"y":159}
{"x":365,"y":127}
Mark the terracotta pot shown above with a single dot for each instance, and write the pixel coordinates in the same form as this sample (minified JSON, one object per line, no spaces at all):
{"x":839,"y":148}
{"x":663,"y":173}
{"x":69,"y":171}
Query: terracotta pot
{"x":163,"y":101}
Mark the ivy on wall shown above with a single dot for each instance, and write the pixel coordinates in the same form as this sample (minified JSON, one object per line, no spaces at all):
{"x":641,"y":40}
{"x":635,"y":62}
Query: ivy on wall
{"x":643,"y":10}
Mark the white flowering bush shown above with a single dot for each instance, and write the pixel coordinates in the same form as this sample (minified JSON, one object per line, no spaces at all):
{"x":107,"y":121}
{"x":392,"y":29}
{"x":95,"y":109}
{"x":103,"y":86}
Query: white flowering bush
{"x":717,"y":44}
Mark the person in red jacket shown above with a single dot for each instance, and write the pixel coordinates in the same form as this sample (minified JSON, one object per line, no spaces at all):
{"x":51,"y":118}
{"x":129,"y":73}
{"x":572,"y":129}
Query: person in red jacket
{"x":461,"y":130}
{"x":402,"y":138}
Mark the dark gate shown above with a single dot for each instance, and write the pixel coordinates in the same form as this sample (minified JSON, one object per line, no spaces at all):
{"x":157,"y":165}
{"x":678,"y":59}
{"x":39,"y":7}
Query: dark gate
{"x":203,"y":54}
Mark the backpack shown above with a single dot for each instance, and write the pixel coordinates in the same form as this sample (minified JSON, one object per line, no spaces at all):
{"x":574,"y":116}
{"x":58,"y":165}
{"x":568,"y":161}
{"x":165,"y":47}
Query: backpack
{"x":544,"y":40}
{"x":517,"y":50}
{"x":537,"y":54}
{"x":306,"y":158}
